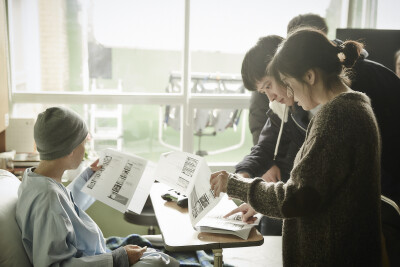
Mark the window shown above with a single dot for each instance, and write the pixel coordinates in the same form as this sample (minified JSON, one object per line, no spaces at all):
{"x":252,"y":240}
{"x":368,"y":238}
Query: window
{"x":387,"y":16}
{"x":149,"y":76}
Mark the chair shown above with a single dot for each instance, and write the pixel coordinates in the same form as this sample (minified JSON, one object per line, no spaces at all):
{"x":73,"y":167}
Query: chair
{"x":146,"y":218}
{"x":390,"y":214}
{"x":12,"y":250}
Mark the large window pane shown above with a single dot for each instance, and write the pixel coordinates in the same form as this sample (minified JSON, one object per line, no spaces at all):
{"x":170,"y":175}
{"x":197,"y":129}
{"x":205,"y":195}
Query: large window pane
{"x":222,"y":135}
{"x":226,"y":29}
{"x":80,"y":45}
{"x":123,"y":46}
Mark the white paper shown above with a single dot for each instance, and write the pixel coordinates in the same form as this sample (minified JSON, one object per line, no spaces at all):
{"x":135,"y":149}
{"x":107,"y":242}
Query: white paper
{"x":178,"y":170}
{"x":190,"y":175}
{"x":201,"y":198}
{"x":123,"y":178}
{"x":214,"y":222}
{"x":143,"y":189}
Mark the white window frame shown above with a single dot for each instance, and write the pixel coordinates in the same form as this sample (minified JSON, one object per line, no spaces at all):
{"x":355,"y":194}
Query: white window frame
{"x":186,"y":100}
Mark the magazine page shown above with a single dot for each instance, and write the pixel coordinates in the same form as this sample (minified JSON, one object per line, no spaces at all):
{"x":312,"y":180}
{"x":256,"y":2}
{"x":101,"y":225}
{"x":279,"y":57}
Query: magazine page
{"x":178,"y":170}
{"x":190,"y":175}
{"x":214,"y":221}
{"x":118,"y":179}
{"x":201,"y":198}
{"x":142,"y":191}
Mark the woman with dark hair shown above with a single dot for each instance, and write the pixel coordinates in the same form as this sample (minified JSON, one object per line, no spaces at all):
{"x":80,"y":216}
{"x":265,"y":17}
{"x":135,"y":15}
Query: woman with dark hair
{"x":331,"y":202}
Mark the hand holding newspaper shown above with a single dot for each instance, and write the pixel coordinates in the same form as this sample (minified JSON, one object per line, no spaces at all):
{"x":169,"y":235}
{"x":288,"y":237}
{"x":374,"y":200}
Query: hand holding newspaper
{"x":190,"y":175}
{"x":123,"y":182}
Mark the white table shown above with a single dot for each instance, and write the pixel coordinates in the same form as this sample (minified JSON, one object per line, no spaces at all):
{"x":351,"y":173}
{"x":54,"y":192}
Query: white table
{"x":179,"y":235}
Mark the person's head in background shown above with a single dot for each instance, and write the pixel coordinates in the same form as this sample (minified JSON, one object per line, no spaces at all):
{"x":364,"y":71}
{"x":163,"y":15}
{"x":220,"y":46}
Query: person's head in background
{"x":397,"y":62}
{"x":307,"y":20}
{"x":311,"y":66}
{"x":254,"y":67}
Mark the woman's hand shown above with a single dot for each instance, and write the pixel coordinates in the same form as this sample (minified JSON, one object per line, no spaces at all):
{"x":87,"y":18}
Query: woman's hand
{"x":219,"y":182}
{"x":134,"y":253}
{"x":247,"y":213}
{"x":95,"y":167}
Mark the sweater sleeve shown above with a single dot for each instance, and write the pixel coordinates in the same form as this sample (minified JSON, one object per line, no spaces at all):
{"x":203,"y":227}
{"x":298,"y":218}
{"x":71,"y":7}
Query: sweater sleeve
{"x":120,"y":257}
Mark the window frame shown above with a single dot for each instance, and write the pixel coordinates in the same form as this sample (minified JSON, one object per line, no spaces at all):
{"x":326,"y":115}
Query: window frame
{"x":187,"y":101}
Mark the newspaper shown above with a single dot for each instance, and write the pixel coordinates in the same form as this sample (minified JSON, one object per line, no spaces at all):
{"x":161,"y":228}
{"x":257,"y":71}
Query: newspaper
{"x":123,"y":182}
{"x":190,"y":175}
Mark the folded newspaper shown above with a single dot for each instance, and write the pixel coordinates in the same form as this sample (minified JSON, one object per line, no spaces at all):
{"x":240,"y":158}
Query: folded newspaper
{"x":123,"y":182}
{"x":190,"y":175}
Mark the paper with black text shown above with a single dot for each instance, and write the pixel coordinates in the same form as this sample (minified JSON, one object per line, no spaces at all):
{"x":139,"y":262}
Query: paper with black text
{"x":201,"y":198}
{"x":123,"y":182}
{"x":190,"y":175}
{"x":178,"y":170}
{"x":214,"y":222}
{"x":142,"y":191}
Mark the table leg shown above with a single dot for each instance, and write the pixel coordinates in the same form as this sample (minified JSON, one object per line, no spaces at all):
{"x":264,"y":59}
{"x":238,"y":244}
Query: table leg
{"x":218,"y":262}
{"x":151,"y":230}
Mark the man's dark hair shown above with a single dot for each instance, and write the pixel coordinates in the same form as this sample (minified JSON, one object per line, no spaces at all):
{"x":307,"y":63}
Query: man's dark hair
{"x":255,"y":61}
{"x":307,"y":20}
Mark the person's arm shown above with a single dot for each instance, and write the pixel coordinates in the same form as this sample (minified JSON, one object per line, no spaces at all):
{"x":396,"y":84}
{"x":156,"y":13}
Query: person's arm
{"x":383,"y":88}
{"x":82,"y":200}
{"x":261,"y":156}
{"x":54,"y":240}
{"x":257,"y":114}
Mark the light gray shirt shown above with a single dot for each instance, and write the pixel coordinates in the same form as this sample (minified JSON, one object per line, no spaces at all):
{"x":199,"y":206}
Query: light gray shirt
{"x":55,"y":228}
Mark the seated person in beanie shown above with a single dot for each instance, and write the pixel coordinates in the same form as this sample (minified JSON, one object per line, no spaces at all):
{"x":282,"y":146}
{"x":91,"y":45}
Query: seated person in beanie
{"x":55,"y":229}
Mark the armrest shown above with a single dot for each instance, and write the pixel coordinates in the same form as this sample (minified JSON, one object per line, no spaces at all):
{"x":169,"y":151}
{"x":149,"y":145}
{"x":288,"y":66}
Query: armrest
{"x":12,"y":250}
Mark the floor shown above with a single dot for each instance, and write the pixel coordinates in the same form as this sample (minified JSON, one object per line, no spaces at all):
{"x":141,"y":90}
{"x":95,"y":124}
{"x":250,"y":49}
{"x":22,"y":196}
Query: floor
{"x":268,"y":254}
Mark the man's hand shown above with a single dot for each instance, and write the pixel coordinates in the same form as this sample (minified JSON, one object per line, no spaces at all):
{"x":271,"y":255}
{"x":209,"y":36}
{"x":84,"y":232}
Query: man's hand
{"x":219,"y":182}
{"x":134,"y":253}
{"x":247,"y":213}
{"x":272,"y":175}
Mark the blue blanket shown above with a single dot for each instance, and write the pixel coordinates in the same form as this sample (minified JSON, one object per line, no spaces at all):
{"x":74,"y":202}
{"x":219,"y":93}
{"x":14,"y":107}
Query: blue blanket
{"x":198,"y":258}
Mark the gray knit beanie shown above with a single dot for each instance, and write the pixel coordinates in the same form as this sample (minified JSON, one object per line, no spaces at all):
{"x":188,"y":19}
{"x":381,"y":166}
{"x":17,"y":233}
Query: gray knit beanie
{"x":57,"y":132}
